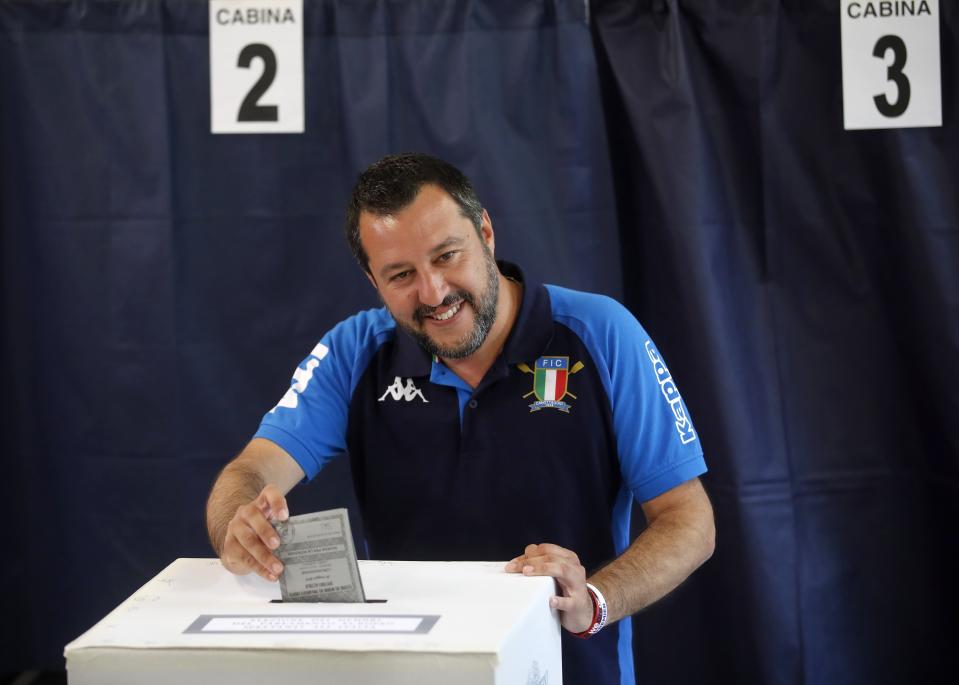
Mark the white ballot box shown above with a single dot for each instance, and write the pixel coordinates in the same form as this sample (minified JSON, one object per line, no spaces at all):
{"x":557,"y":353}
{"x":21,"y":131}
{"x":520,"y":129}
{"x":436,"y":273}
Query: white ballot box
{"x":425,"y":623}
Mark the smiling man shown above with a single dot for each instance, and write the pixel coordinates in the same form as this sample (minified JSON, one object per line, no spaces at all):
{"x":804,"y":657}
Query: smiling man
{"x":461,"y":278}
{"x":485,"y":417}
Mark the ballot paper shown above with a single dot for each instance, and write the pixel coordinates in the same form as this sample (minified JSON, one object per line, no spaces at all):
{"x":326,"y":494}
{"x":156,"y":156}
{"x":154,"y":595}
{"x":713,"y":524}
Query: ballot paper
{"x":319,"y":560}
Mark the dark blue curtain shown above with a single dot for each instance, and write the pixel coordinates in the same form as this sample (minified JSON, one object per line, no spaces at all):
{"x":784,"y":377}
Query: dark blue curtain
{"x":160,"y":283}
{"x":805,"y":280}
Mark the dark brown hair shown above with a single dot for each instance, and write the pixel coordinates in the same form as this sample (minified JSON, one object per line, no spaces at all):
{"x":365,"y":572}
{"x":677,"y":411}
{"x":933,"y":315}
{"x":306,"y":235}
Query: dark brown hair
{"x":393,"y":182}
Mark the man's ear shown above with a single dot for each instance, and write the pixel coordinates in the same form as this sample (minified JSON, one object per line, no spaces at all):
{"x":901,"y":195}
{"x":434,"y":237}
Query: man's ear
{"x":486,"y":233}
{"x":371,"y":279}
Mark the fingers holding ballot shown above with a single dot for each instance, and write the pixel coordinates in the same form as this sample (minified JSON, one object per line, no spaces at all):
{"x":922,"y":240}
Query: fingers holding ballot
{"x":572,"y":599}
{"x":251,"y":538}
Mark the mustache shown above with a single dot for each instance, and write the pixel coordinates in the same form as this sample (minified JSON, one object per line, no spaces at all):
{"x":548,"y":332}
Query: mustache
{"x":453,"y":298}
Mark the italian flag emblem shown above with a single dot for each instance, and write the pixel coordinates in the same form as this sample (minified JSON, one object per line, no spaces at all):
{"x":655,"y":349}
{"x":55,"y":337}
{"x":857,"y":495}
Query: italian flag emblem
{"x":550,"y":379}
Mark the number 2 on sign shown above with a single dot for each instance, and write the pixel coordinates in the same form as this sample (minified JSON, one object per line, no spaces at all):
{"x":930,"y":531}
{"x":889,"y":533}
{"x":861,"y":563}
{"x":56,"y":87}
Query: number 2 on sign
{"x":251,"y":109}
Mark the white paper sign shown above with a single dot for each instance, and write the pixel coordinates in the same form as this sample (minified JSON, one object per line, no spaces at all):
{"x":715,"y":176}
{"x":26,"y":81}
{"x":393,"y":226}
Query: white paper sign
{"x":312,"y":624}
{"x":890,"y":64}
{"x":256,"y":66}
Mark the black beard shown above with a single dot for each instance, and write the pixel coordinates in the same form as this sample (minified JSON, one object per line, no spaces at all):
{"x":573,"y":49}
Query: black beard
{"x":485,"y":309}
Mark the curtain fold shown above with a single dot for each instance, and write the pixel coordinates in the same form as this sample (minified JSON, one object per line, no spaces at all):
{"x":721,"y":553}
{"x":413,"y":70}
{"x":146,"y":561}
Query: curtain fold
{"x":804,"y":279}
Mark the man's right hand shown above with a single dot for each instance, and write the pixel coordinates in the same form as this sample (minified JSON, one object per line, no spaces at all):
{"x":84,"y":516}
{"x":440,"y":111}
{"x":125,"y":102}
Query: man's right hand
{"x":250,"y":538}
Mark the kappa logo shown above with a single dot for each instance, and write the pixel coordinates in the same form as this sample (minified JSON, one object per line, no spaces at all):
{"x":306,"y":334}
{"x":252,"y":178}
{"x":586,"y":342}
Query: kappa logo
{"x":683,"y":425}
{"x":407,"y":392}
{"x":550,"y":382}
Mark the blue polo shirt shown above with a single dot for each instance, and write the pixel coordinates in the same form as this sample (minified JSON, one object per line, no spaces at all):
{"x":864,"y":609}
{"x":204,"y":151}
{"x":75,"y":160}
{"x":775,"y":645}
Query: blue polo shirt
{"x":577,"y":417}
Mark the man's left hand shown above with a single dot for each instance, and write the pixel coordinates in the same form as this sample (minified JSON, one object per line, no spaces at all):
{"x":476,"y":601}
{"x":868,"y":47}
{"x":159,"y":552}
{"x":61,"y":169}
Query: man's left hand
{"x":573,"y":600}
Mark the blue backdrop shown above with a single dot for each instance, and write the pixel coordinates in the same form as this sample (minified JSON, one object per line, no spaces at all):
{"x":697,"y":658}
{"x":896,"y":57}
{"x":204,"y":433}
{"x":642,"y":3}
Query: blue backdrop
{"x":160,"y":283}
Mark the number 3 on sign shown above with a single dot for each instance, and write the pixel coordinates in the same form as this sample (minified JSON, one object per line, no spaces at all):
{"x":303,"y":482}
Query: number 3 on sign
{"x":890,"y":64}
{"x":256,"y":66}
{"x":894,"y":74}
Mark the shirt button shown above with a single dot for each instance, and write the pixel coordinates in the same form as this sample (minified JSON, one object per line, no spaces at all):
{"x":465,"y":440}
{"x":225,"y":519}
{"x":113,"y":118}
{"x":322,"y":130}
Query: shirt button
{"x":473,"y":404}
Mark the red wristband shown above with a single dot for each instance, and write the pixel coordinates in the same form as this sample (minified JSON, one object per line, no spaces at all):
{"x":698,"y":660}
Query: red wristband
{"x":600,"y":613}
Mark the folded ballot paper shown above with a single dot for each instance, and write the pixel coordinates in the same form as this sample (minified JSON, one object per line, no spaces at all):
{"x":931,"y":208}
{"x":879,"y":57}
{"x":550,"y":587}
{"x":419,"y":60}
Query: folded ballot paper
{"x":319,"y":559}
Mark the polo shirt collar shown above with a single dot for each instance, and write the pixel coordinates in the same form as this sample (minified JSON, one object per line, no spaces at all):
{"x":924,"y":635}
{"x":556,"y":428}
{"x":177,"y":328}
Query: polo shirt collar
{"x":532,"y":331}
{"x":533,"y":328}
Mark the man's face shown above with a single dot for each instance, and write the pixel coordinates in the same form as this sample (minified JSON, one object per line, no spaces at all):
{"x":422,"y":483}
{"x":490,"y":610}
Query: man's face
{"x":434,"y":273}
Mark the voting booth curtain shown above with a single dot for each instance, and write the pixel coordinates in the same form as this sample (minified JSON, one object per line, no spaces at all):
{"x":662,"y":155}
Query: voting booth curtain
{"x":161,"y":282}
{"x":804,"y":280}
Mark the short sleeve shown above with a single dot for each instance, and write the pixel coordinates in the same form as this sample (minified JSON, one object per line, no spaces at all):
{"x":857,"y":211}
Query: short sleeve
{"x":310,"y":420}
{"x":658,"y":446}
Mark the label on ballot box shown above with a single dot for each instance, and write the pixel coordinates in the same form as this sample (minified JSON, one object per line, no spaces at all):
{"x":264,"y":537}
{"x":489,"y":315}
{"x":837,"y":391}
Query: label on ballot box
{"x":317,"y":623}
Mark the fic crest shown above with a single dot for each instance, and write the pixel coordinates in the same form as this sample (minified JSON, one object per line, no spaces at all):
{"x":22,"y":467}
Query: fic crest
{"x":551,"y":383}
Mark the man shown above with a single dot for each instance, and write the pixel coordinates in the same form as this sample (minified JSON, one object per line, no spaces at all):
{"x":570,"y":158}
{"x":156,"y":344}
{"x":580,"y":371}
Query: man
{"x":503,"y":418}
